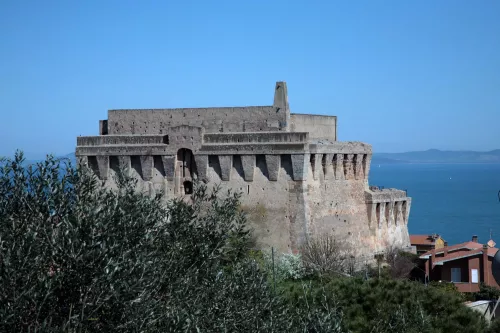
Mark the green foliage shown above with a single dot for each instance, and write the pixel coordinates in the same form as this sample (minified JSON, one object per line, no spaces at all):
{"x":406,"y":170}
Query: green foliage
{"x":487,"y":293}
{"x":379,"y":305}
{"x":494,"y":326}
{"x":449,"y":288}
{"x":77,"y":257}
{"x":287,"y":266}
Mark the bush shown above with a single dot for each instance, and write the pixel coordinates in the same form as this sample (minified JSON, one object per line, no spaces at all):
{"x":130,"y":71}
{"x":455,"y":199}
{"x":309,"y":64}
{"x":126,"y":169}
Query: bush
{"x":379,"y":305}
{"x":487,"y":293}
{"x":77,"y":257}
{"x":287,"y":266}
{"x":400,"y":263}
{"x":326,"y":255}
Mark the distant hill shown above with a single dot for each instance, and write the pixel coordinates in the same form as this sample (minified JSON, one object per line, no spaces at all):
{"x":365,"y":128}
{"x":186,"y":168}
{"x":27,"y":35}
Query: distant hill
{"x":438,"y":156}
{"x":70,"y":156}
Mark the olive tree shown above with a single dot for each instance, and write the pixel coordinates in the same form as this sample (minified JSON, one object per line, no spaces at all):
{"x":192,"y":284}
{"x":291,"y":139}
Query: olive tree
{"x":77,"y":257}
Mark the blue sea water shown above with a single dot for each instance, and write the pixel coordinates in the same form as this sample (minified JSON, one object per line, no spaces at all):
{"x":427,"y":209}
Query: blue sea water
{"x":453,"y":200}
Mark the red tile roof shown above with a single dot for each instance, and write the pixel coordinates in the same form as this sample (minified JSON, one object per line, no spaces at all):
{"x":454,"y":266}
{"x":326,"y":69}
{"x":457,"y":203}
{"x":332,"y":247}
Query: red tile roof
{"x":458,"y":251}
{"x":492,"y":251}
{"x":421,"y":240}
{"x":457,"y":255}
{"x":466,"y":245}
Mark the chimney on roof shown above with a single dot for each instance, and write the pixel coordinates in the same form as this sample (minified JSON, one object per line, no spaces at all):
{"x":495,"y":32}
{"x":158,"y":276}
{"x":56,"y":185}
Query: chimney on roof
{"x":485,"y":265}
{"x":474,"y":238}
{"x":445,"y":249}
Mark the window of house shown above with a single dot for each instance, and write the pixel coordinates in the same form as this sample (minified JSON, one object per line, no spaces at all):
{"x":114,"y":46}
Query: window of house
{"x":474,"y":276}
{"x":456,"y":275}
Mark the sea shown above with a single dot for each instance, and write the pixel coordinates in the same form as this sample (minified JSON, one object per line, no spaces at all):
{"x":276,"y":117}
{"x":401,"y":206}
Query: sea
{"x":455,"y":201}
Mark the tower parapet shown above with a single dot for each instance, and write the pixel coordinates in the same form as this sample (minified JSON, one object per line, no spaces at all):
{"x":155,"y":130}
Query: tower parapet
{"x":297,"y":180}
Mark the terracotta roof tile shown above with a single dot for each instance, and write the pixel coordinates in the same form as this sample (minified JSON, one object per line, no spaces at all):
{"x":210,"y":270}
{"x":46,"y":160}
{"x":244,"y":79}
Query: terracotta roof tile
{"x":492,"y":251}
{"x":458,"y":255}
{"x":421,"y":240}
{"x":457,"y":251}
{"x":466,"y":245}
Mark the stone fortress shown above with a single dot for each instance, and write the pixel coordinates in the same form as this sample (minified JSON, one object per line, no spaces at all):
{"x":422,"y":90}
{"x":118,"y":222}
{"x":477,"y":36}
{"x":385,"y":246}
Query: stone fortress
{"x":296,"y":179}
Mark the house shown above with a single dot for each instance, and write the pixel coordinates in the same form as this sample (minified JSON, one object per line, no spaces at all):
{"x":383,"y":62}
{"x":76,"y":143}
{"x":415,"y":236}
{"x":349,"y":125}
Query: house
{"x":424,"y":243}
{"x":466,"y":265}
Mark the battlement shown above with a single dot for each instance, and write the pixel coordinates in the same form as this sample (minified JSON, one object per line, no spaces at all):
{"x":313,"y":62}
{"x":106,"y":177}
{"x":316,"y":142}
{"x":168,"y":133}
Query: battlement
{"x":387,"y":206}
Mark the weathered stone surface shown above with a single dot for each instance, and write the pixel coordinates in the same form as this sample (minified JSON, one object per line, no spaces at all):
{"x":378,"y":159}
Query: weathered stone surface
{"x":103,"y":165}
{"x":328,"y":168}
{"x":297,"y":181}
{"x":317,"y":166}
{"x":248,"y":162}
{"x":226,"y":164}
{"x":300,"y":165}
{"x":358,"y":168}
{"x":339,"y":166}
{"x":201,"y":166}
{"x":124,"y":163}
{"x":147,"y":167}
{"x":273,"y":163}
{"x":169,"y":166}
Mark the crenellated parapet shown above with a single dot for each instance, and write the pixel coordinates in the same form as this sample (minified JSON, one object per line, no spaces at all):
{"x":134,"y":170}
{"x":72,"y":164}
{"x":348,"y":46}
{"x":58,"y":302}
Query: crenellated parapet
{"x":340,"y":160}
{"x":387,"y":207}
{"x":226,"y":151}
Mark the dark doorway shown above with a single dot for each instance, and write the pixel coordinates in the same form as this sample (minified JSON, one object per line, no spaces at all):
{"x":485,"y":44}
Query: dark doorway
{"x":188,"y":187}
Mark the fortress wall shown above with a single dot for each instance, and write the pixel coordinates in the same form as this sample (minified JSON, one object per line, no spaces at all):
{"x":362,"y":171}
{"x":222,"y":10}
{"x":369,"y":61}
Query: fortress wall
{"x":389,"y":212}
{"x":273,"y":208}
{"x":292,"y":193}
{"x":121,"y":140}
{"x":339,"y":201}
{"x":214,"y":120}
{"x":319,"y":127}
{"x":221,"y":138}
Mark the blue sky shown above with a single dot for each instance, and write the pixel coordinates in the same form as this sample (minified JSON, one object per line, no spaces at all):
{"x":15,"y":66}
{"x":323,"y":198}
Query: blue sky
{"x":401,"y":75}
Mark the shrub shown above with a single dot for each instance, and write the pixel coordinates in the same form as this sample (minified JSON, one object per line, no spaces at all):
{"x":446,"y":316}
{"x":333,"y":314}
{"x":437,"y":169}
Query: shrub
{"x":287,"y":266}
{"x":77,"y":257}
{"x":400,"y":263}
{"x":326,"y":255}
{"x":379,"y":305}
{"x":487,"y":293}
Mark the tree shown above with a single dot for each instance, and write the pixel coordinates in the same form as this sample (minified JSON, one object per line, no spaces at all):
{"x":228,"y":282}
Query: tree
{"x":400,"y":263}
{"x":386,"y":305}
{"x":326,"y":255}
{"x":77,"y":257}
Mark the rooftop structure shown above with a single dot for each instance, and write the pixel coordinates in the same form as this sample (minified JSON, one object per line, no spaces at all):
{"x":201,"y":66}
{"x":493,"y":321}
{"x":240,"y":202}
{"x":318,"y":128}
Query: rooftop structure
{"x":424,"y":243}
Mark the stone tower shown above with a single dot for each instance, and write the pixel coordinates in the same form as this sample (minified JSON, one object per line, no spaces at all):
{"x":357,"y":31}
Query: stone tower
{"x":297,"y":180}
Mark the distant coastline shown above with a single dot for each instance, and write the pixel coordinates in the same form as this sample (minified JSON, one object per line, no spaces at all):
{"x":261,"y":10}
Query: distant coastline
{"x":431,"y":156}
{"x":435,"y":156}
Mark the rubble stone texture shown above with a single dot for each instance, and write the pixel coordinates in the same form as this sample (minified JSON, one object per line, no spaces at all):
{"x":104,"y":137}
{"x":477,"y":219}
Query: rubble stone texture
{"x":297,"y":180}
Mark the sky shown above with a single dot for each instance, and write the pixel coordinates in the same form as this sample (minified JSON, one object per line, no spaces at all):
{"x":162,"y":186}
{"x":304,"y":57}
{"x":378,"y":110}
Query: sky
{"x":400,"y":75}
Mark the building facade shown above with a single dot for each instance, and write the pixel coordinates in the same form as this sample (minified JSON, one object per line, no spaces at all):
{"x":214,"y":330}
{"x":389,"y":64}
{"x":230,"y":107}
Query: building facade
{"x":297,"y":180}
{"x":467,"y":265}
